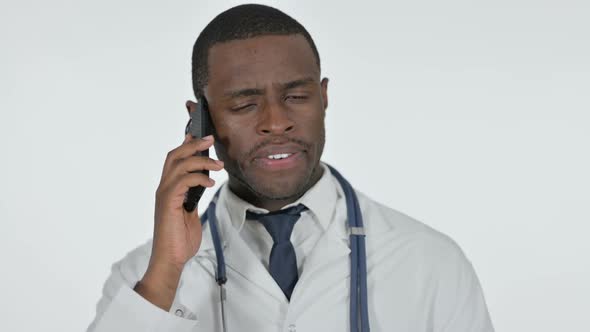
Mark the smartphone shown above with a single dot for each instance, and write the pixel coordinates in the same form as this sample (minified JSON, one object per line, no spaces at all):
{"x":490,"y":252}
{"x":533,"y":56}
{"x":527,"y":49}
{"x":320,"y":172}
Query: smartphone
{"x":199,"y":125}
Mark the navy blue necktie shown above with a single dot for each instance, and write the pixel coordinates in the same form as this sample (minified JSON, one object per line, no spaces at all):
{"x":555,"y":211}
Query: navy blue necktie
{"x":283,"y":262}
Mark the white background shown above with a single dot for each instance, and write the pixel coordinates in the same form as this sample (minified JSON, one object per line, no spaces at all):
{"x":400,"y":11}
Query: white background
{"x":471,"y":116}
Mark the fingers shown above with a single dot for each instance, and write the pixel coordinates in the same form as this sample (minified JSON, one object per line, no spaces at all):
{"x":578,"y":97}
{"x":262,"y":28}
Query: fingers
{"x":186,"y":159}
{"x":193,"y":146}
{"x":190,"y":148}
{"x":184,"y":182}
{"x":192,"y":164}
{"x":169,"y":192}
{"x":194,"y":179}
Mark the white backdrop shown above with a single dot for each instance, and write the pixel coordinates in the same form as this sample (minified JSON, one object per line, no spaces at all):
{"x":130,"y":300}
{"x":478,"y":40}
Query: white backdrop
{"x":471,"y":116}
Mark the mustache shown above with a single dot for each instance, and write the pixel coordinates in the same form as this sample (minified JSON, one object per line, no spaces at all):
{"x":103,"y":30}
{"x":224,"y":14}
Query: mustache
{"x":277,"y":141}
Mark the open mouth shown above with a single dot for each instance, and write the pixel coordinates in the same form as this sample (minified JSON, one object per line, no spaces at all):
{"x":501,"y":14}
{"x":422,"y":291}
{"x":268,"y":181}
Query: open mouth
{"x":279,"y":156}
{"x":278,"y":161}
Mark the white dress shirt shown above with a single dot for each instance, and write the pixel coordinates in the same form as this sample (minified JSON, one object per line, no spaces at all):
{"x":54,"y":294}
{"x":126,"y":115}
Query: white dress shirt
{"x":418,"y":279}
{"x":320,"y":201}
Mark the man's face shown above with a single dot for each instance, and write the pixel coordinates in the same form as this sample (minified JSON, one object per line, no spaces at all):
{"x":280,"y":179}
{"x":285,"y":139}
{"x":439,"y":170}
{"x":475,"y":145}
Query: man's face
{"x":268,"y":106}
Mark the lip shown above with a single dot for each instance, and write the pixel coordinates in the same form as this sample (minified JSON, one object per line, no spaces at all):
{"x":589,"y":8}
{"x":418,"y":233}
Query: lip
{"x":280,"y":164}
{"x":278,"y":149}
{"x":296,"y":156}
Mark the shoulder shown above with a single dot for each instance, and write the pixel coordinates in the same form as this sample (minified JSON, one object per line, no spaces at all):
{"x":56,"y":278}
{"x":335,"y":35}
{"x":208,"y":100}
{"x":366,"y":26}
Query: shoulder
{"x":391,"y":228}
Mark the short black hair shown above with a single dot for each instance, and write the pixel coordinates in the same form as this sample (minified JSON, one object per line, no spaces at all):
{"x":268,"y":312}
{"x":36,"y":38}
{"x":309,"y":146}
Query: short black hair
{"x":241,"y":22}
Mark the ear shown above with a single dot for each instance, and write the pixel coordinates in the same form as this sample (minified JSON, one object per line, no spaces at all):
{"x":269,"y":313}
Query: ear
{"x":191,"y":106}
{"x":324,"y":87}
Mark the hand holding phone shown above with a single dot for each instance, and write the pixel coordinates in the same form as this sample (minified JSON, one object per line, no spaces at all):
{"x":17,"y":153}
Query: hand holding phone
{"x":177,"y":231}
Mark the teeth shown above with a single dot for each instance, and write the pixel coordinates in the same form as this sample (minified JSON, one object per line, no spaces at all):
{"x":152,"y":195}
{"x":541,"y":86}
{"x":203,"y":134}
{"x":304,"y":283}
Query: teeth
{"x":279,"y":156}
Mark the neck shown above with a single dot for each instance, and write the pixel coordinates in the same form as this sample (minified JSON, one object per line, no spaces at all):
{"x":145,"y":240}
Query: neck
{"x":244,"y":192}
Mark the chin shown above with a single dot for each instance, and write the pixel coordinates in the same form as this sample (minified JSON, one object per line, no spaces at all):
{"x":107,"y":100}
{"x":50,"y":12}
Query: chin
{"x":280,"y":189}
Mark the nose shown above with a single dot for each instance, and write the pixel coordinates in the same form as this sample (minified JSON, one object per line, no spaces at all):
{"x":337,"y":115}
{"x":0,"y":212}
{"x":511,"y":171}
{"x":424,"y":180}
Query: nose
{"x":274,"y":120}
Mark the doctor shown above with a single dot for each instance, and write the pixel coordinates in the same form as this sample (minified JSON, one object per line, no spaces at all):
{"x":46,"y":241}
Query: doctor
{"x":282,"y":215}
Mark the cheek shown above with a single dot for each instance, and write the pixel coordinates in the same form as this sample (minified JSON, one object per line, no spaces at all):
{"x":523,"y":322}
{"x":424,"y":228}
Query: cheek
{"x":234,"y":139}
{"x":314,"y":126}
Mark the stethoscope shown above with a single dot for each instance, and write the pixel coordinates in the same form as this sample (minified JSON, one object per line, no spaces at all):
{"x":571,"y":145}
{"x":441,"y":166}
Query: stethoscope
{"x":358,"y":266}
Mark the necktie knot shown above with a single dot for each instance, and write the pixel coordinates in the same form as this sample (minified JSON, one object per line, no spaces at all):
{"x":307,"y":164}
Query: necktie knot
{"x":279,"y":224}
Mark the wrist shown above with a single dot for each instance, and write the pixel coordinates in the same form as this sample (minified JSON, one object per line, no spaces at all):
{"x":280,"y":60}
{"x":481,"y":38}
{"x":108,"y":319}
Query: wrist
{"x":159,"y":285}
{"x":162,"y":276}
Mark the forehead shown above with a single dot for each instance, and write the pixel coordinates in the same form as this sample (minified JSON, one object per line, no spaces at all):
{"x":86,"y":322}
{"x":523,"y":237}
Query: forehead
{"x":259,"y":62}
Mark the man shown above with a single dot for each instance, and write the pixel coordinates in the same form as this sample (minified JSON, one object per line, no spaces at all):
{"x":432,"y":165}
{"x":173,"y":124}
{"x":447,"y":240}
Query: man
{"x":259,"y":72}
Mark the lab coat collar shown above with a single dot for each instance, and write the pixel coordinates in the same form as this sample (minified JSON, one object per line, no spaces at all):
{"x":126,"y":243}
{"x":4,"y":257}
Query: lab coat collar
{"x":320,"y":199}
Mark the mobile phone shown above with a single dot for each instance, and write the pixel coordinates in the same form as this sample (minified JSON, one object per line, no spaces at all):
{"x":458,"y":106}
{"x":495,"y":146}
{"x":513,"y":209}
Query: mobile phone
{"x":199,"y":125}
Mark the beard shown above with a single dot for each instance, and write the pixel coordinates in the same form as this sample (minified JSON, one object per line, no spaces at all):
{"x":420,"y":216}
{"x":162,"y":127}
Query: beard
{"x":285,"y":185}
{"x":276,"y":188}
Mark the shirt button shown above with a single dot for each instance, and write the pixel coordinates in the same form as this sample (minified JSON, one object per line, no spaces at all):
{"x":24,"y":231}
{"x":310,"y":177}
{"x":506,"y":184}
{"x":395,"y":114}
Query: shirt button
{"x":292,"y":328}
{"x":179,"y":313}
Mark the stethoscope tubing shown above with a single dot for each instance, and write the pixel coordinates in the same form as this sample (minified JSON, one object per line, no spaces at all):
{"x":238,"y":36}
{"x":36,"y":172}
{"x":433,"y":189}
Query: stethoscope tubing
{"x":359,"y":311}
{"x":358,"y":268}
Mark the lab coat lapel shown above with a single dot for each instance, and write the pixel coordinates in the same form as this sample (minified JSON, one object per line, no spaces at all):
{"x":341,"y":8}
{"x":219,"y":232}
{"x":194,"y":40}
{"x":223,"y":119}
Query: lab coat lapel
{"x":327,"y":264}
{"x":239,"y":258}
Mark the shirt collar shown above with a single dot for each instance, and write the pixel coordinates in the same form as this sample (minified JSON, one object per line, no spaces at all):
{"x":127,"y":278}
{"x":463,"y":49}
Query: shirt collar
{"x":320,"y":199}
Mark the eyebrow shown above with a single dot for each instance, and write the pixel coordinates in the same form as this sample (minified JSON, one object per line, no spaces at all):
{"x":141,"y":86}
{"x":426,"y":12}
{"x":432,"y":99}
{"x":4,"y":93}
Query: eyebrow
{"x":296,"y":83}
{"x":257,"y":92}
{"x":243,"y":93}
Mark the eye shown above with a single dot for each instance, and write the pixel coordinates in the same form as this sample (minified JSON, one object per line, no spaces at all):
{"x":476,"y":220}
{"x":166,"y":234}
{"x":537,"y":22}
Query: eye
{"x":296,"y":97}
{"x":242,"y":107}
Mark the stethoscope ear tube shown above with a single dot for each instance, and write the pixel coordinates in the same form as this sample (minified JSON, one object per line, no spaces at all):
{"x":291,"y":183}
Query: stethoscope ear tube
{"x":360,"y":238}
{"x":358,"y":268}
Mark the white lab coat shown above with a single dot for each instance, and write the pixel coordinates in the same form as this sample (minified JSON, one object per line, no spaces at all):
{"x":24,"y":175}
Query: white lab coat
{"x":418,"y":281}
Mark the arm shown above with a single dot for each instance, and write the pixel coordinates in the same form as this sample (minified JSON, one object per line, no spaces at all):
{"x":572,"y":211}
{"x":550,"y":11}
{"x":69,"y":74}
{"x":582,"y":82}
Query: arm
{"x":123,"y":309}
{"x":138,"y":295}
{"x":460,"y":298}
